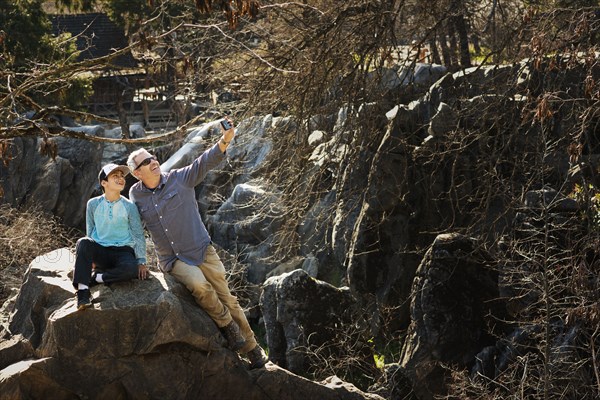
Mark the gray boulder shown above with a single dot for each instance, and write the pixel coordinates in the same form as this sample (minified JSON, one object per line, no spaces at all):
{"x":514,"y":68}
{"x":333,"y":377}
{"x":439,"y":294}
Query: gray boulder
{"x":316,"y":138}
{"x":247,"y":223}
{"x":303,"y":315}
{"x":20,"y":170}
{"x":420,"y":74}
{"x":197,"y":141}
{"x":78,"y":178}
{"x":444,"y":120}
{"x":60,"y":186}
{"x":454,"y":298}
{"x":251,"y":145}
{"x":379,"y":265}
{"x":139,"y":340}
{"x":118,"y":151}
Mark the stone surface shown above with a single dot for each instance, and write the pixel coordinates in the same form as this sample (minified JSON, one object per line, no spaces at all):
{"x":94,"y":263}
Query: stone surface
{"x":60,"y":186}
{"x":139,"y":340}
{"x":455,"y":297}
{"x":249,"y":219}
{"x":302,"y":315}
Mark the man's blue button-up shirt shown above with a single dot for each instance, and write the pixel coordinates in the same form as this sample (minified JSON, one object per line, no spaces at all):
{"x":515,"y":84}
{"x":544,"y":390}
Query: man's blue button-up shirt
{"x":170,"y":211}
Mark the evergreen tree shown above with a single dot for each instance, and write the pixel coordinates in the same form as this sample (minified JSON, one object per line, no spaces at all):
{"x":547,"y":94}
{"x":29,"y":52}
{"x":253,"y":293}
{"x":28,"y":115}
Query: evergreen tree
{"x":25,"y":33}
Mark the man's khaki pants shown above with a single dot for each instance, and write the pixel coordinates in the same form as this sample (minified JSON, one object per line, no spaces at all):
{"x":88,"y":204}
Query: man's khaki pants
{"x":209,"y":287}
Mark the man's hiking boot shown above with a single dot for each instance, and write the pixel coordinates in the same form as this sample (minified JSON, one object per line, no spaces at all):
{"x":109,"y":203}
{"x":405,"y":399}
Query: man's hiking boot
{"x":257,"y":357}
{"x":233,"y":335}
{"x":84,"y":299}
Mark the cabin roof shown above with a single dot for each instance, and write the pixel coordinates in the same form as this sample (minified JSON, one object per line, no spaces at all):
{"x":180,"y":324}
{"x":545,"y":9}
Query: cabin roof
{"x":97,"y":36}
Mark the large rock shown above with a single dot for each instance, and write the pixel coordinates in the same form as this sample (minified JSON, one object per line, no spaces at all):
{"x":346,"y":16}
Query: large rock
{"x":140,"y":340}
{"x":313,"y":231}
{"x":248,"y":221}
{"x":250,"y":147}
{"x":115,"y":152}
{"x":420,"y":74}
{"x":304,"y":316}
{"x":455,"y":298}
{"x":60,"y":186}
{"x":379,"y":263}
{"x":77,"y":179}
{"x":17,"y":175}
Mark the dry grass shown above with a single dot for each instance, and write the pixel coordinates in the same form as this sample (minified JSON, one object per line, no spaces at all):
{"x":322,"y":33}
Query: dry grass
{"x":25,"y":234}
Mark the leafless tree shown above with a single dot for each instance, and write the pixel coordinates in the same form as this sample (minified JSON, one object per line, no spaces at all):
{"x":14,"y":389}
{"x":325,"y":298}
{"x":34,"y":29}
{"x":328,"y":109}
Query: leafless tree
{"x":309,"y":58}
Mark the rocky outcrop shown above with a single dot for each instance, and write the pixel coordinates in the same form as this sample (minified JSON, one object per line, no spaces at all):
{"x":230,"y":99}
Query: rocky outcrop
{"x":378,"y":266}
{"x":248,"y":223}
{"x":140,"y":340}
{"x":455,"y":299}
{"x":17,"y":175}
{"x":368,"y":225}
{"x":60,"y":186}
{"x":304,"y":316}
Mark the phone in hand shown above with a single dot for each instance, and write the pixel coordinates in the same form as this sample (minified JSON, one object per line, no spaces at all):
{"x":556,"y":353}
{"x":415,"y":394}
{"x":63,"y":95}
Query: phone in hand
{"x":225,"y":124}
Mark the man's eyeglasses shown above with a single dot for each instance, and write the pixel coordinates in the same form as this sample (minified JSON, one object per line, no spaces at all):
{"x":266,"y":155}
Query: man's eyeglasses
{"x":145,"y":162}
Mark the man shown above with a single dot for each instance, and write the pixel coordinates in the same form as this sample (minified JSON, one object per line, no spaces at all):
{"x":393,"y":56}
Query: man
{"x":114,"y":248}
{"x":168,"y":208}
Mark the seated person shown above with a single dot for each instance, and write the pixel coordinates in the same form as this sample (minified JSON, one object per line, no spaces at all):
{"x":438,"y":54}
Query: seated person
{"x":114,"y":248}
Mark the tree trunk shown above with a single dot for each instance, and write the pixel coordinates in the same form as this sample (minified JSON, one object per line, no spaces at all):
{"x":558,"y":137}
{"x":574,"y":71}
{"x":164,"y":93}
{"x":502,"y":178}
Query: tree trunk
{"x":125,"y":134}
{"x":435,"y":54}
{"x":463,"y":40}
{"x":445,"y":51}
{"x":452,"y":42}
{"x":123,"y":122}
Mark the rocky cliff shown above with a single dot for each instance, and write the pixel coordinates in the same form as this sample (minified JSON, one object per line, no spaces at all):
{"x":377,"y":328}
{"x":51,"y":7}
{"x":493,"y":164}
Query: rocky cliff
{"x":442,"y":226}
{"x":140,"y":340}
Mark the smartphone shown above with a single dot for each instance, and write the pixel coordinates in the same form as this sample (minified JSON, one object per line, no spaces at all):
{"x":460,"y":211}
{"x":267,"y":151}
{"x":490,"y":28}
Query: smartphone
{"x":225,"y":124}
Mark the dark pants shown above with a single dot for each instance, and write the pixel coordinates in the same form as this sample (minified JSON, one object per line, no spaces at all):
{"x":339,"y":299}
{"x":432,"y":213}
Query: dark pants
{"x":115,"y":263}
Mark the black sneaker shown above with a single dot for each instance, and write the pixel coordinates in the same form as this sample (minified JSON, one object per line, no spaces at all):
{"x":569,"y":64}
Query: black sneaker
{"x":93,"y":281}
{"x":84,"y":299}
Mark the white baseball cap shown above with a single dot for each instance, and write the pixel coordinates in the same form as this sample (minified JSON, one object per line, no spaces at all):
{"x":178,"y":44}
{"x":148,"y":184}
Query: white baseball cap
{"x":110,"y":168}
